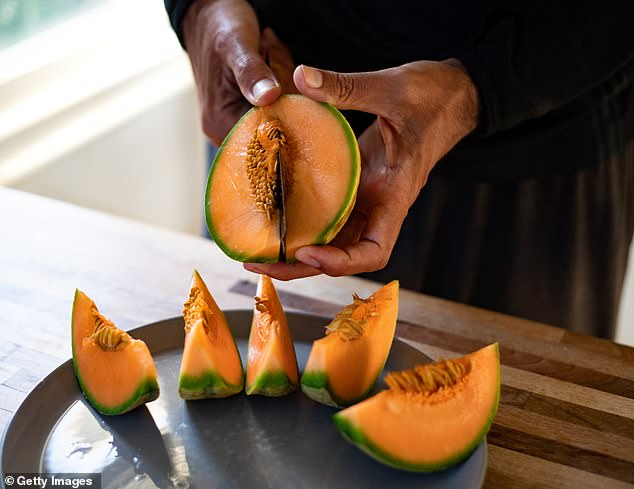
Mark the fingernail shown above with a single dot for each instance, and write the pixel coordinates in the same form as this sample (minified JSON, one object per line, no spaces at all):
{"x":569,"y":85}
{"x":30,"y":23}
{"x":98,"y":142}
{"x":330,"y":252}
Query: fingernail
{"x":312,"y":77}
{"x":261,"y":88}
{"x":307,"y":260}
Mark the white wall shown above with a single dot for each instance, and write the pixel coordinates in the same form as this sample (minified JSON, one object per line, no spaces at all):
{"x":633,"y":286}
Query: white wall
{"x":150,"y":167}
{"x":105,"y":121}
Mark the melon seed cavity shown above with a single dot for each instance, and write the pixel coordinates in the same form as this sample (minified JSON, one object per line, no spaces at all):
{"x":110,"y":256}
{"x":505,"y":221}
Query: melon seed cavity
{"x":427,"y":379}
{"x":106,"y":335}
{"x":261,"y":165}
{"x":267,"y":323}
{"x":196,"y":309}
{"x":345,"y":325}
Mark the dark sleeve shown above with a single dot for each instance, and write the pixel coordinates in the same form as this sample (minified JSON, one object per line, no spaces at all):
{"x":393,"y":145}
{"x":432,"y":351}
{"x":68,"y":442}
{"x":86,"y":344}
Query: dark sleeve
{"x":534,"y":56}
{"x":176,"y":10}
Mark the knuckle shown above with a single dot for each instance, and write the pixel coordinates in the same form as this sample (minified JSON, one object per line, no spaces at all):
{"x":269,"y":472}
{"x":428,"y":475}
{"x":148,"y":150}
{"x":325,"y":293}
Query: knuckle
{"x":221,"y":43}
{"x":381,"y":261}
{"x":283,"y":277}
{"x":333,"y":272}
{"x":242,"y":63}
{"x":248,"y":68}
{"x":226,"y":42}
{"x":344,"y":87}
{"x":337,"y":268}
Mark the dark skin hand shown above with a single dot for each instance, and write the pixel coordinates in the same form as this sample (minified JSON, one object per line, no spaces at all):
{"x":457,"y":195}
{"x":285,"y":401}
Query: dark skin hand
{"x":227,"y":51}
{"x":423,"y":110}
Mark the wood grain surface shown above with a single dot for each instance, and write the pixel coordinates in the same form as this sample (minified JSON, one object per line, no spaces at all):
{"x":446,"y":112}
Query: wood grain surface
{"x":566,"y":416}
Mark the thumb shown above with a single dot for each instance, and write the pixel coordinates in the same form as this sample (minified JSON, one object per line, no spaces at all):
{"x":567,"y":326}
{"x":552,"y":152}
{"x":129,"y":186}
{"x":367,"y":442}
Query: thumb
{"x":367,"y":92}
{"x":256,"y":80}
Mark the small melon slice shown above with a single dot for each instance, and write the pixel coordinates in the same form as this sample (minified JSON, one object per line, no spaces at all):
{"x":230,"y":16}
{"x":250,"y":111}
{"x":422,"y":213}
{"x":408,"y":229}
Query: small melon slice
{"x":115,"y":372}
{"x":320,"y":166}
{"x":272,"y":366}
{"x":211,"y":365}
{"x":343,"y":366}
{"x":432,"y":416}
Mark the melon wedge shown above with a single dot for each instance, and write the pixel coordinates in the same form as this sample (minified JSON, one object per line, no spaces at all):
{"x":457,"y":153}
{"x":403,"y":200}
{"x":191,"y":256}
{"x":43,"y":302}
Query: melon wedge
{"x":211,"y":365}
{"x":343,"y":366}
{"x":272,"y":364}
{"x":115,"y":372}
{"x":321,"y":168}
{"x":422,"y":428}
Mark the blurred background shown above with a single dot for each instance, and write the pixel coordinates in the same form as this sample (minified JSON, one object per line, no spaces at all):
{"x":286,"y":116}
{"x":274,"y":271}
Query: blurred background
{"x":98,"y":108}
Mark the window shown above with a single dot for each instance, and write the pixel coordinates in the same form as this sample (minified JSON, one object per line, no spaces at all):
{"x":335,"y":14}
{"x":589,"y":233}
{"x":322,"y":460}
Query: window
{"x":20,"y":19}
{"x":83,"y":68}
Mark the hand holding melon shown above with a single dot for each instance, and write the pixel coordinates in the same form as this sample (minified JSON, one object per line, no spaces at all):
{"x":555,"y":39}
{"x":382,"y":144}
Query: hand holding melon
{"x":224,"y":43}
{"x":423,"y":109}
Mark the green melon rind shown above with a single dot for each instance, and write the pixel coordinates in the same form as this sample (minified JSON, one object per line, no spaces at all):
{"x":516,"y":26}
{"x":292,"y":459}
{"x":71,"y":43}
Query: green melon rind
{"x":333,"y":227}
{"x":338,"y":222}
{"x":272,"y":384}
{"x":147,"y":391}
{"x":209,"y":384}
{"x":205,"y":386}
{"x":355,"y":435}
{"x":317,"y":387}
{"x":72,"y":328}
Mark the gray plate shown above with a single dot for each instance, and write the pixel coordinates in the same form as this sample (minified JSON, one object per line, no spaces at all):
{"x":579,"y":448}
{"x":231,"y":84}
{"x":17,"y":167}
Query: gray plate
{"x":235,"y":443}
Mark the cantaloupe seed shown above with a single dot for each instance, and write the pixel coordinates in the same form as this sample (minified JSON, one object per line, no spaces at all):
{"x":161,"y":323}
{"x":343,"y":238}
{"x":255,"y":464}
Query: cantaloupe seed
{"x":267,"y":142}
{"x":106,"y":335}
{"x":266,"y":321}
{"x":262,"y":305}
{"x":429,"y":379}
{"x":196,"y":309}
{"x":347,"y":327}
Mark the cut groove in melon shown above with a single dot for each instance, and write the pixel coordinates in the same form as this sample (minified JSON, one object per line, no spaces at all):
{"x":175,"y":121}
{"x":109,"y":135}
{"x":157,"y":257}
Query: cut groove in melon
{"x":321,"y":168}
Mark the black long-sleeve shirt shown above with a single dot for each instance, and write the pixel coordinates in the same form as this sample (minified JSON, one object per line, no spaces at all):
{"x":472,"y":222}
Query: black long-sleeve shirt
{"x":554,"y":78}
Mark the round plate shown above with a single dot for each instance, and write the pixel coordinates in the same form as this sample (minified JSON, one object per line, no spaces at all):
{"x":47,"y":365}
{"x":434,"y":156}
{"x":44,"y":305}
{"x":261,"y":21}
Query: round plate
{"x":234,"y":443}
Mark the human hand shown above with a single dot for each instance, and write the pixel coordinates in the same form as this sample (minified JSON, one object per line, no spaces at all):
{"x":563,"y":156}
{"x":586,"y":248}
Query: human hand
{"x":423,"y":110}
{"x":225,"y":47}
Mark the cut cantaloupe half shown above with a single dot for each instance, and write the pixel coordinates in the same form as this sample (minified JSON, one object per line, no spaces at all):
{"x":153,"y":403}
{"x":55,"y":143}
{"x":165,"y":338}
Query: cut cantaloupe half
{"x":343,"y":366}
{"x":211,"y":365}
{"x":320,"y":167}
{"x":432,"y":417}
{"x":115,"y":371}
{"x":272,"y":364}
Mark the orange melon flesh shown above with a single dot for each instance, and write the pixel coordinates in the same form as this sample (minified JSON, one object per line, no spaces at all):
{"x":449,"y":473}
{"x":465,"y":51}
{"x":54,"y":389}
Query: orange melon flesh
{"x":428,"y":432}
{"x":325,"y":162}
{"x":211,"y":365}
{"x":113,"y":381}
{"x":272,"y":364}
{"x":340,"y":372}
